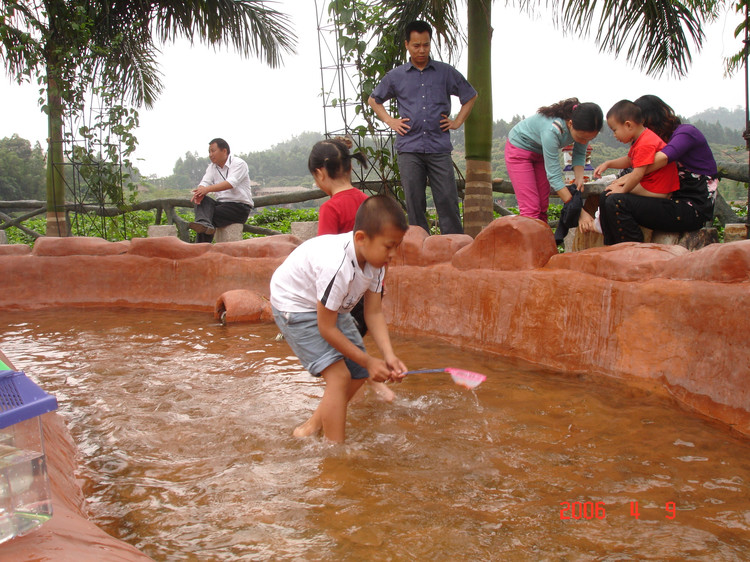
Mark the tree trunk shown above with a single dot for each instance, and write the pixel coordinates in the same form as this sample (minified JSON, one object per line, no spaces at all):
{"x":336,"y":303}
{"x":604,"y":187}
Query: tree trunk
{"x":56,"y":222}
{"x":478,"y":127}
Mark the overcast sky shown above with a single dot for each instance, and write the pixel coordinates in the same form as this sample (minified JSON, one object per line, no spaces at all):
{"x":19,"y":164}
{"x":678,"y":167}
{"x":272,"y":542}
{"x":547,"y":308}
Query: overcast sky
{"x":217,"y":94}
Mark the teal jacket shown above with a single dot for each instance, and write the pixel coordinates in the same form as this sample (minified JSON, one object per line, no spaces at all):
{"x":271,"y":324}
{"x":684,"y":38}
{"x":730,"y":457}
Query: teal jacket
{"x":547,"y":136}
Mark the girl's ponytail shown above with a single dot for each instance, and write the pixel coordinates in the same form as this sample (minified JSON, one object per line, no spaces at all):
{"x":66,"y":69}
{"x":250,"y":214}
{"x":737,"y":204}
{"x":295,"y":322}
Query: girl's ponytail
{"x":562,"y":109}
{"x":334,"y":156}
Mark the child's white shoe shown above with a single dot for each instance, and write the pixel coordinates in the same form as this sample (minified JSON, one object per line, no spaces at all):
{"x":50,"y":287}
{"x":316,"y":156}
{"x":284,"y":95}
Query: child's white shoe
{"x":597,"y":223}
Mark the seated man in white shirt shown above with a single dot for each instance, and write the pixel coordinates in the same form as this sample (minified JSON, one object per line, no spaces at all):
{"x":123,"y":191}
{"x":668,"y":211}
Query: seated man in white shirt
{"x":226,"y":176}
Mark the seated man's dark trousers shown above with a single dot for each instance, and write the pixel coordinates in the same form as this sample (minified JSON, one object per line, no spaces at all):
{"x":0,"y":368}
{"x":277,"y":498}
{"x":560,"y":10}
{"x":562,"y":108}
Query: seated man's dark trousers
{"x":212,"y":214}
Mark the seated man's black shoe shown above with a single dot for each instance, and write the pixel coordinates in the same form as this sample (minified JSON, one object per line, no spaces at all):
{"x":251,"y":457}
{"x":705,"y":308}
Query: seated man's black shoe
{"x":201,"y":228}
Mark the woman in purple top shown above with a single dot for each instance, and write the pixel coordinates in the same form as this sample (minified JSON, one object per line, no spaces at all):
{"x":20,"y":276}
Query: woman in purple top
{"x":689,"y":208}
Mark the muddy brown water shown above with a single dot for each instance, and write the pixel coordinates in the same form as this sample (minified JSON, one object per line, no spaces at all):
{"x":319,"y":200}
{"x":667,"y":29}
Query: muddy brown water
{"x":184,"y":429}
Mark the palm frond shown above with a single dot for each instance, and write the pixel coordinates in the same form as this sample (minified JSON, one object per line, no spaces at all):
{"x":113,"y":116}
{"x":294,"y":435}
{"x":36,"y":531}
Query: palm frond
{"x":18,"y":48}
{"x":656,"y":35}
{"x":135,"y":70}
{"x":252,"y":27}
{"x":739,"y":59}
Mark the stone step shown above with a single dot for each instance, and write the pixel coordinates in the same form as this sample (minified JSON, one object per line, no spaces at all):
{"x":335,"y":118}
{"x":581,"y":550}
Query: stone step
{"x":229,"y":233}
{"x":304,"y":230}
{"x":693,"y":240}
{"x":159,"y":230}
{"x":734,"y":232}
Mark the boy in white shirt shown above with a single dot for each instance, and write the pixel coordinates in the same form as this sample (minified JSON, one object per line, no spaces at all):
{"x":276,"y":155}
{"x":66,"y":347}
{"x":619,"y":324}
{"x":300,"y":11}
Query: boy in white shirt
{"x":312,"y":294}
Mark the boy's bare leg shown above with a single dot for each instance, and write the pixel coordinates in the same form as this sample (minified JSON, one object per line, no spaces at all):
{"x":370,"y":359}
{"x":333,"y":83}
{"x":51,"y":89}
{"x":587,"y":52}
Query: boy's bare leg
{"x":359,"y":395}
{"x":330,"y":415}
{"x":340,"y":388}
{"x":355,"y":388}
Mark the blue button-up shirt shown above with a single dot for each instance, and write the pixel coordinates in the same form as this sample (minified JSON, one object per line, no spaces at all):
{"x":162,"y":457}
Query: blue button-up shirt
{"x":422,"y":96}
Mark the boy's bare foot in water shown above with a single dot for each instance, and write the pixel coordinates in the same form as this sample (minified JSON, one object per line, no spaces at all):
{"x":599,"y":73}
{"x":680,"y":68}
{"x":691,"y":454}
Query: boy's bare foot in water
{"x":382,"y":391}
{"x":312,"y":426}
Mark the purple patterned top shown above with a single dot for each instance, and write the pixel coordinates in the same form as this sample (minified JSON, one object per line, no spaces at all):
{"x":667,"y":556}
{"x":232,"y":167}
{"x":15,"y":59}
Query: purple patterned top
{"x":689,"y":147}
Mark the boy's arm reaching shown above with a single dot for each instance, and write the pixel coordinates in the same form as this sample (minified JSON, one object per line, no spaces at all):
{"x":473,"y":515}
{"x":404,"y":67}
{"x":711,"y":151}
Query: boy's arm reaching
{"x":378,"y":328}
{"x":626,"y":183}
{"x":618,"y":164}
{"x":327,"y":319}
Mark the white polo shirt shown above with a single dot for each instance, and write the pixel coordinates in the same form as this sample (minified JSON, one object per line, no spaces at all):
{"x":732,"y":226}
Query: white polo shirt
{"x":323,"y":269}
{"x":236,"y":173}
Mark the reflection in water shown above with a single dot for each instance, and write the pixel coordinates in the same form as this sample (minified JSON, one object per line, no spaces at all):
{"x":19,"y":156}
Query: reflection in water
{"x":185,"y":432}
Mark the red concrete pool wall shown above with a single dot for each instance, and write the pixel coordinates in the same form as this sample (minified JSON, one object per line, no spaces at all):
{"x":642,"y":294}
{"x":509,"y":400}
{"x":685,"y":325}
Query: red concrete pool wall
{"x":650,"y":314}
{"x":675,"y":321}
{"x":644,"y":312}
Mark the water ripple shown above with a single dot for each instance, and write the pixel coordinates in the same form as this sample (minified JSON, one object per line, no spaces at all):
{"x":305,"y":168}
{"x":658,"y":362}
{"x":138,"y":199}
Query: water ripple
{"x":184,"y":429}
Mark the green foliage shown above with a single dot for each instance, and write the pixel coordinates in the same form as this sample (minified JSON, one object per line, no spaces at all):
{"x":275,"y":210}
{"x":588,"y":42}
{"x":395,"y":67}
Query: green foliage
{"x":17,"y":236}
{"x":369,"y":38}
{"x":716,"y":133}
{"x":284,"y":164}
{"x":131,"y":225}
{"x":281,"y":219}
{"x":187,"y":173}
{"x":732,"y":119}
{"x":78,"y":48}
{"x":739,"y":59}
{"x":76,"y":69}
{"x":739,"y":209}
{"x":554,"y":211}
{"x":22,"y":170}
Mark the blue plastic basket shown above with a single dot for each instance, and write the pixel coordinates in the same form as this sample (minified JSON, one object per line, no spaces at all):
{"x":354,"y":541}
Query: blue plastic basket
{"x":21,"y":399}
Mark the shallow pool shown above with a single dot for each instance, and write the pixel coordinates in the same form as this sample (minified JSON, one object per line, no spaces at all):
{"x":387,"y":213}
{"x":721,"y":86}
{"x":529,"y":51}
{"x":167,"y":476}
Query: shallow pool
{"x":184,"y":428}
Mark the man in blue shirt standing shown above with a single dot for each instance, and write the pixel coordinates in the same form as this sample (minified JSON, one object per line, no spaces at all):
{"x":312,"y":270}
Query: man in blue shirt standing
{"x":423,"y":88}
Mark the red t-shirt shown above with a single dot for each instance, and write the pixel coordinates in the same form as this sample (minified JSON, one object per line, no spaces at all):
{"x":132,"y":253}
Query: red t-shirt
{"x":336,"y":215}
{"x":642,"y":153}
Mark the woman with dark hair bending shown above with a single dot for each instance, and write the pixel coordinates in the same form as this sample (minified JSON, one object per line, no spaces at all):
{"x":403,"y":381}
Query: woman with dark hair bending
{"x":532,"y":153}
{"x":689,"y":208}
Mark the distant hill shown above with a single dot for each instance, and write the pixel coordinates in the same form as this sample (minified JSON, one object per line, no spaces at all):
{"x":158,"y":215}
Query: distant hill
{"x":729,"y":118}
{"x":285,"y":164}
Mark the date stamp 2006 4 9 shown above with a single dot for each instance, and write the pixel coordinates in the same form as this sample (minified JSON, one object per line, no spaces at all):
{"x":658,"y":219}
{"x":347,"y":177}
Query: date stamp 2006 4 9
{"x":598,"y":510}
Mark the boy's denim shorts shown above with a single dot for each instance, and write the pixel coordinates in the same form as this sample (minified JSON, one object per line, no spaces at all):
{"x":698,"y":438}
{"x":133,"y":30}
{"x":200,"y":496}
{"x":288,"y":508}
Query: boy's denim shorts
{"x":301,"y":332}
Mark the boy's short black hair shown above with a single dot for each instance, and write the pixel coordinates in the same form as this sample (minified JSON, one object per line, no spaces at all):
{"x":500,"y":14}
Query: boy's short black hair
{"x":419,"y":26}
{"x":377,"y":212}
{"x":626,"y":110}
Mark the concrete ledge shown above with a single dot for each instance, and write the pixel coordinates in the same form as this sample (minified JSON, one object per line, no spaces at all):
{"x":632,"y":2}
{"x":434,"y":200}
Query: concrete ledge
{"x":734,"y":232}
{"x":576,"y":241}
{"x":3,"y":237}
{"x":693,"y":240}
{"x":229,"y":233}
{"x":158,"y":230}
{"x":304,"y":230}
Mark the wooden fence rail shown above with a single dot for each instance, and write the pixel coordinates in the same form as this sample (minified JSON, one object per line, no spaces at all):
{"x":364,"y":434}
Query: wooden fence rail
{"x":169,"y":206}
{"x":161,"y":207}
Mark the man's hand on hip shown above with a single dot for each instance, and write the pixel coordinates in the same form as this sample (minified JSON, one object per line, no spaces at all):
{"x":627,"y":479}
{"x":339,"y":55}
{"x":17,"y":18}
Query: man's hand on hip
{"x":399,"y":125}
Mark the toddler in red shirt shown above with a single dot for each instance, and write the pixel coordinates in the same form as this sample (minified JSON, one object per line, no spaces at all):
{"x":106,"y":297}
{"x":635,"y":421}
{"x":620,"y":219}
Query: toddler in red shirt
{"x":626,"y":121}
